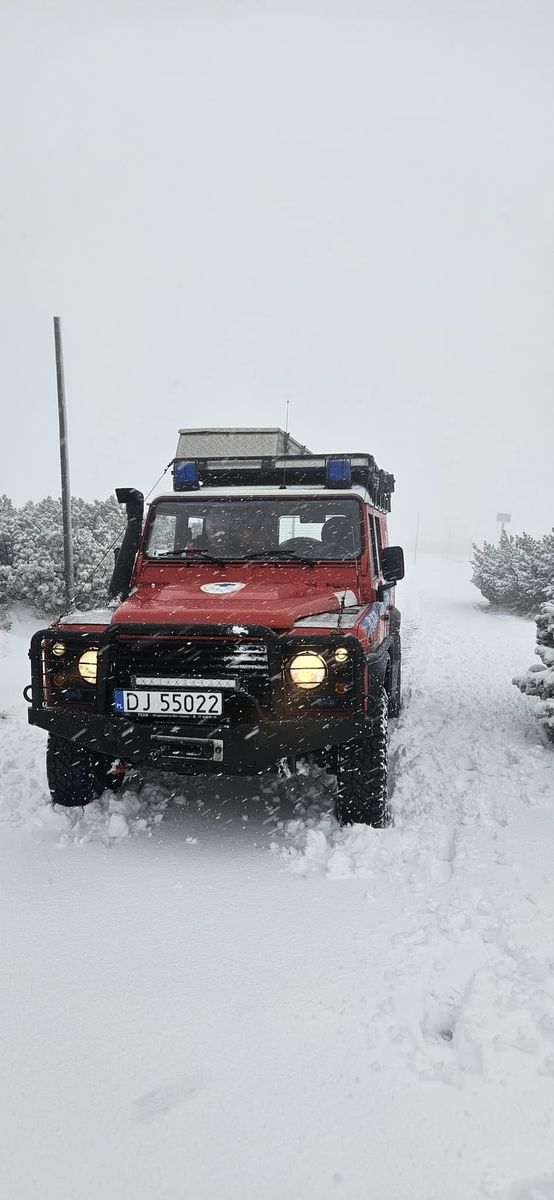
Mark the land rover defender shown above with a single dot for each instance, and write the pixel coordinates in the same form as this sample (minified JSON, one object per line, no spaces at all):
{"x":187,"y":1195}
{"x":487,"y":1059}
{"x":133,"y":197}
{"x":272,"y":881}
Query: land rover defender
{"x":252,"y":621}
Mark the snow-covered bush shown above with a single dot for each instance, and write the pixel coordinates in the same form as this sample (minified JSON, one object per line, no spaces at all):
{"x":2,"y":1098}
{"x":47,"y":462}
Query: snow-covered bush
{"x":539,"y":679}
{"x":518,"y":573}
{"x":7,"y":522}
{"x":31,"y":551}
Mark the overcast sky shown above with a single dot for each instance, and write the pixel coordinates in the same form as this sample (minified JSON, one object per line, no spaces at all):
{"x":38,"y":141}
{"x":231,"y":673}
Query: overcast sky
{"x":349,"y":205}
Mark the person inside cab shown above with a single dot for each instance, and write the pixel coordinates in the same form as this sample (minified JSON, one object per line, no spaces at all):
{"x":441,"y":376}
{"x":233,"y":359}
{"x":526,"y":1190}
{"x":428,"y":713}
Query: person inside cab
{"x":216,"y":532}
{"x":337,"y":538}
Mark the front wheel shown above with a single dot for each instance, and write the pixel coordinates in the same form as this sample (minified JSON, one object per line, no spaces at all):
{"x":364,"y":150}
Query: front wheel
{"x":76,"y":775}
{"x":362,"y":772}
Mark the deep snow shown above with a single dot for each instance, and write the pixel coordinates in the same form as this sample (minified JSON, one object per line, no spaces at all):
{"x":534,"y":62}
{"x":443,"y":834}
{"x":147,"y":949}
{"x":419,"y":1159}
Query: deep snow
{"x":210,"y":990}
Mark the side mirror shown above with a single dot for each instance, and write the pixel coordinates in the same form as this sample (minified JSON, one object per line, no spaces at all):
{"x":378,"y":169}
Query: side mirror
{"x":392,"y":563}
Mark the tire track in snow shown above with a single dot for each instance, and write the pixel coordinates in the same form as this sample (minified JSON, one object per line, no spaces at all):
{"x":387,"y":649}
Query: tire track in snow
{"x":468,"y":763}
{"x":468,"y":759}
{"x":464,"y":745}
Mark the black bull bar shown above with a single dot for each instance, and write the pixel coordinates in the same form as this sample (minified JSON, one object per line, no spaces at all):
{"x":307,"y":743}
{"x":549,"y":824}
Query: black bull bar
{"x":256,"y":737}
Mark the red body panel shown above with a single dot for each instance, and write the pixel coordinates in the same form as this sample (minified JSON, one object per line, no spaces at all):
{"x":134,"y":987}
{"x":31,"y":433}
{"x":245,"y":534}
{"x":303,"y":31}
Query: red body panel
{"x":266,"y":593}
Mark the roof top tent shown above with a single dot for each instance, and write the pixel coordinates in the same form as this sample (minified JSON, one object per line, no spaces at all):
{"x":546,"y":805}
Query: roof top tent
{"x":233,"y":443}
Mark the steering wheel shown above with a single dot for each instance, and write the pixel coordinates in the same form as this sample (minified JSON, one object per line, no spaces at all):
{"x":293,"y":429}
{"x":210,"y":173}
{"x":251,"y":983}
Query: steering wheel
{"x":301,"y":544}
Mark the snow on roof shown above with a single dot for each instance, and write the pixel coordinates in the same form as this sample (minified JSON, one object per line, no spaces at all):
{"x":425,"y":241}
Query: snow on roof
{"x":303,"y":490}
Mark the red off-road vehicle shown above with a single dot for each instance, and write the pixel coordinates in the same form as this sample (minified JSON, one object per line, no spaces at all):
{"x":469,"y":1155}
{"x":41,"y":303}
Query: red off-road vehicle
{"x":256,"y":622}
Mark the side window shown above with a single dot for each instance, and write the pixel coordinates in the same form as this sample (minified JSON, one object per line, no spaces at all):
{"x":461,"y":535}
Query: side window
{"x":187,"y":529}
{"x":374,"y":558}
{"x":291,"y":527}
{"x":379,"y":539}
{"x":162,"y":535}
{"x":195,"y":525}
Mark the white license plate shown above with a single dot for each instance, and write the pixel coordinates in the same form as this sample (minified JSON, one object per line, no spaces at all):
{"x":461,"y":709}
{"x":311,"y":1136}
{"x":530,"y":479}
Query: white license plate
{"x":169,"y":704}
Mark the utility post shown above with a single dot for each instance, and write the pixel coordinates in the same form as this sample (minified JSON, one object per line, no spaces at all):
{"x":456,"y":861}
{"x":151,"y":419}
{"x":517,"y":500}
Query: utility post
{"x":416,"y":536}
{"x":504,"y":519}
{"x":64,"y":465}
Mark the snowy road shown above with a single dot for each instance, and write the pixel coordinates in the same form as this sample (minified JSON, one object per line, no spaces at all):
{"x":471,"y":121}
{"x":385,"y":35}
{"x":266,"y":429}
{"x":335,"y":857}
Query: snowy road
{"x":205,"y":995}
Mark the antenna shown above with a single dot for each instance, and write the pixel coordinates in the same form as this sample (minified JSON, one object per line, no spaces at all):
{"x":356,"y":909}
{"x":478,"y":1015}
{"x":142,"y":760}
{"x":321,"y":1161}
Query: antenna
{"x":287,"y":439}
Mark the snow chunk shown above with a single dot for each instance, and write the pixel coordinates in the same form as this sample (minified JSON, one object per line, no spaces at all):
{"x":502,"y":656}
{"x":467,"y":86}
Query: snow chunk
{"x":90,"y":616}
{"x":320,"y":844}
{"x":113,"y":818}
{"x":117,"y":826}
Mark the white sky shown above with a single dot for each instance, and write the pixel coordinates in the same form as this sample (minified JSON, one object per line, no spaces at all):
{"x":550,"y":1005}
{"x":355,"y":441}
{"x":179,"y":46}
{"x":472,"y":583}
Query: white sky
{"x":350,"y":205}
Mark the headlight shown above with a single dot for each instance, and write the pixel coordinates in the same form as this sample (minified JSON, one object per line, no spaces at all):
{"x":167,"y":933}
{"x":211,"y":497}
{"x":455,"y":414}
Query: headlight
{"x":87,"y":665}
{"x":308,"y":670}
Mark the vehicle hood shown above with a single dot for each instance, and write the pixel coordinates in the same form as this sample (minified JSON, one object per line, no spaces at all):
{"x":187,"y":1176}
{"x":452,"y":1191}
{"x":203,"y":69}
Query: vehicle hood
{"x":228,"y":601}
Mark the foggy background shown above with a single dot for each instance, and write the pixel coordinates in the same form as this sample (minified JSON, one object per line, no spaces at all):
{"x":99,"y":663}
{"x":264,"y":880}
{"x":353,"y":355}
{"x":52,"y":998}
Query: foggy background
{"x":346,"y":205}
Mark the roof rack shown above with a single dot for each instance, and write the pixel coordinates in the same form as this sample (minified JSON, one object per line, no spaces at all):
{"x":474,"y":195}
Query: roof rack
{"x":298,"y":470}
{"x":220,"y":442}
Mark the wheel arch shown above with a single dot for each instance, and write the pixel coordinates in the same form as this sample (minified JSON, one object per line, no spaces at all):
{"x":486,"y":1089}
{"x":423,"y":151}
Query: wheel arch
{"x":379,"y":663}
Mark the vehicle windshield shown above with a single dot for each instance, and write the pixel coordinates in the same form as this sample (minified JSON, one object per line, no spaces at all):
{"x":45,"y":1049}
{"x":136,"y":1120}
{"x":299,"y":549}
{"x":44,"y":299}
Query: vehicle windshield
{"x":289,"y":528}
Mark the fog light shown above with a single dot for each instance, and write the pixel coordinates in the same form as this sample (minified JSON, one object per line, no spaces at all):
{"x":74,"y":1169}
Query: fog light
{"x":341,"y":654}
{"x":308,"y":670}
{"x":59,"y":680}
{"x":58,"y":649}
{"x":87,"y":666}
{"x":342,"y":688}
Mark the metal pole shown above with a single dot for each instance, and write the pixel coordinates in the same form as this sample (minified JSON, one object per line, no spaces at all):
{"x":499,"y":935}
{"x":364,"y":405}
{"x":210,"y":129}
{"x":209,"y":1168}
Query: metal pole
{"x":64,"y":465}
{"x":416,"y":537}
{"x":449,"y":540}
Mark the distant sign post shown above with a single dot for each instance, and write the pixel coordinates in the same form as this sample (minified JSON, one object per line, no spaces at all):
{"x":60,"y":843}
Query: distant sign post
{"x":504,"y":519}
{"x":64,"y":463}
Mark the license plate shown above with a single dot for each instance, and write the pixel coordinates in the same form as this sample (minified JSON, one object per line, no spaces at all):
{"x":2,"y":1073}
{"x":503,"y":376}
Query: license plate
{"x":169,"y":704}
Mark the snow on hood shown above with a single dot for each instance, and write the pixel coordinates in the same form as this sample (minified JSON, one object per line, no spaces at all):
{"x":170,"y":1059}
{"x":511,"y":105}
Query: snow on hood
{"x":89,"y":616}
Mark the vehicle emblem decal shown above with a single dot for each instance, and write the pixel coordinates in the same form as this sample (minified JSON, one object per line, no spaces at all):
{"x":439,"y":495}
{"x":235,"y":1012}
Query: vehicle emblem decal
{"x":221,"y":589}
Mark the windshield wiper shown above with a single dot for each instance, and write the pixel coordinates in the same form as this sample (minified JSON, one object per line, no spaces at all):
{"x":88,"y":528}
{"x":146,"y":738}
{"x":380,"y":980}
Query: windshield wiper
{"x":197,"y":550}
{"x":188,"y":556}
{"x":192,"y":554}
{"x":276,"y":554}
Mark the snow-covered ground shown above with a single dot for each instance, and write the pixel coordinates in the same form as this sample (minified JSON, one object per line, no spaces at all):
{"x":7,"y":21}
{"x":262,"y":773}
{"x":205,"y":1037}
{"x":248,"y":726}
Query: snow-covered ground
{"x":207,"y":992}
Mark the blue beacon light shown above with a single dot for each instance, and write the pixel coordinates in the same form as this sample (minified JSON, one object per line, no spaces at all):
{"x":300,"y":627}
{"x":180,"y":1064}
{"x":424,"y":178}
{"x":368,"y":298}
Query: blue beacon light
{"x":185,"y":475}
{"x":339,"y":472}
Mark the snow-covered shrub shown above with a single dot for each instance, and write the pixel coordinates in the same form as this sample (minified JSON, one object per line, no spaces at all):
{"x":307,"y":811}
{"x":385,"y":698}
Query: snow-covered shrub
{"x":493,"y":572}
{"x":7,"y":521}
{"x":31,"y":565}
{"x":518,"y":573}
{"x":7,"y":524}
{"x":539,"y":679}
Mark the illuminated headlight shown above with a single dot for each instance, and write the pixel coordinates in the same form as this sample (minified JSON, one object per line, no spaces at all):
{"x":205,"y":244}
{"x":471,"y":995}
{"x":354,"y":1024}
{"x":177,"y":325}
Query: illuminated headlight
{"x":341,"y":654}
{"x":58,"y":649}
{"x":308,"y":670}
{"x":87,"y":665}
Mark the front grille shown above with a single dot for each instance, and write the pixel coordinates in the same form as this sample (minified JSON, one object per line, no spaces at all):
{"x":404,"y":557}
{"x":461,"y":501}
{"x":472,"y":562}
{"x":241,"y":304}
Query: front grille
{"x":245,"y":661}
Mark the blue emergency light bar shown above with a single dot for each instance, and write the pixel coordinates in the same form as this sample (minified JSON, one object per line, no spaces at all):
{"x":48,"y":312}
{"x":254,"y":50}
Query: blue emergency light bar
{"x":339,"y":473}
{"x":185,"y":475}
{"x":298,"y":470}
